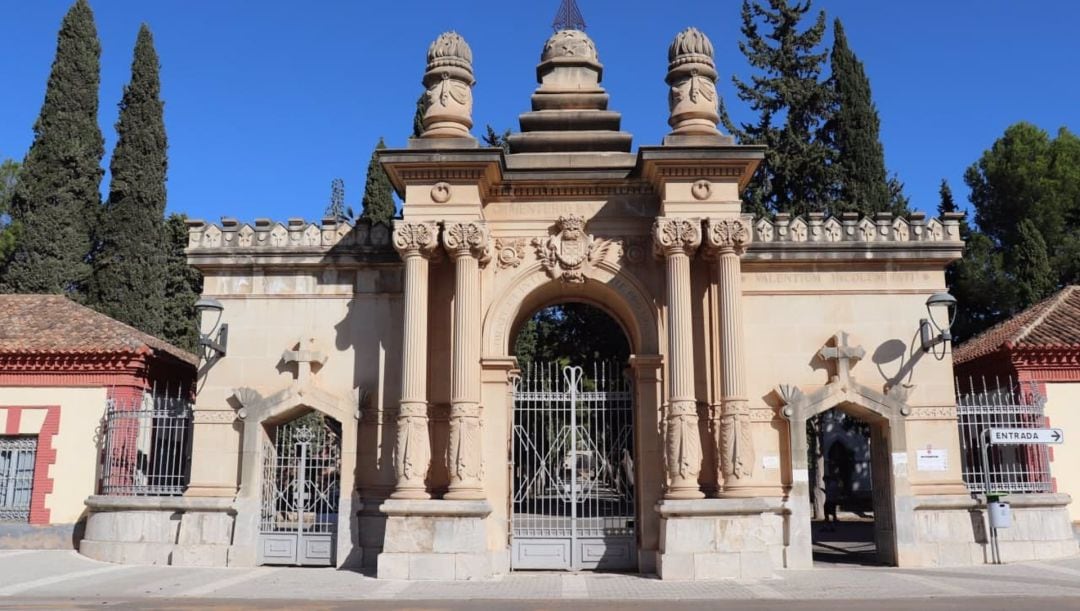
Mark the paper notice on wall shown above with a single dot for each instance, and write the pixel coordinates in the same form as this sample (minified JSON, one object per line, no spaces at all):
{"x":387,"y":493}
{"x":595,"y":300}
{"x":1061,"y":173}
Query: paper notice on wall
{"x":899,"y":463}
{"x":932,"y":459}
{"x":770,"y":461}
{"x":800,"y":475}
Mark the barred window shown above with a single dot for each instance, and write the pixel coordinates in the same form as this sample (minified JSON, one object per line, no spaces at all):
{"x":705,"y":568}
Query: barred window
{"x":146,"y":448}
{"x":17,"y":454}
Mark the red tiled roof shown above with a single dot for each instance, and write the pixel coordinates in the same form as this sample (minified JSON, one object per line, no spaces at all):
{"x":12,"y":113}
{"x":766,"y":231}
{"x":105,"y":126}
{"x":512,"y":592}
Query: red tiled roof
{"x":1052,"y":323}
{"x":53,"y":324}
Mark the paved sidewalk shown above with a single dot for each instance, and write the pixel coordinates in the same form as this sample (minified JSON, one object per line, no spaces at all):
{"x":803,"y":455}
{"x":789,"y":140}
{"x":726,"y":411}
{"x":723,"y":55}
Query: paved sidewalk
{"x":66,"y":576}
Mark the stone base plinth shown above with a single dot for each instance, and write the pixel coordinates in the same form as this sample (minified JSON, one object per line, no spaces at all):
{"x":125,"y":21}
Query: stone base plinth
{"x":951,"y":531}
{"x":437,"y":540}
{"x":720,"y":539}
{"x":179,"y":531}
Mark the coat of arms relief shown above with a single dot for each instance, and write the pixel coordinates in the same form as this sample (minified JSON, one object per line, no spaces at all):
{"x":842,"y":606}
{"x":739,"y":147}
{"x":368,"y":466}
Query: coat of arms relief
{"x":570,"y":252}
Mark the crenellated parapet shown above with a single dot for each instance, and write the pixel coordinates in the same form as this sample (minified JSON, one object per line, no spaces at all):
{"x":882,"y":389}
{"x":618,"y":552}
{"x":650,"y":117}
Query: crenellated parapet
{"x":851,"y":227}
{"x":233,"y":237}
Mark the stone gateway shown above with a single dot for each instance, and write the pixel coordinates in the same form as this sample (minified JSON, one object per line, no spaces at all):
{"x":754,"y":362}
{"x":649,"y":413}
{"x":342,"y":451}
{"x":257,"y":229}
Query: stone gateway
{"x":370,"y":410}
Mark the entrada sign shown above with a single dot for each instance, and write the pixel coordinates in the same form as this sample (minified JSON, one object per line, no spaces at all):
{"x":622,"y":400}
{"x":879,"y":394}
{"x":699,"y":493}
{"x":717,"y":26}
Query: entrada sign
{"x":1015,"y":436}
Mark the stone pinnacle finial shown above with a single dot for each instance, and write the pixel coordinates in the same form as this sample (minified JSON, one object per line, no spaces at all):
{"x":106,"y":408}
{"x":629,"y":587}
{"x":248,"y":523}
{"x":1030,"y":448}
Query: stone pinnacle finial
{"x":692,"y":76}
{"x":448,"y":80}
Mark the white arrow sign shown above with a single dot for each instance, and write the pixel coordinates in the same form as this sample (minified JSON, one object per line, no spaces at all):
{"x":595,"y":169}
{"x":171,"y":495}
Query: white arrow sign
{"x":1017,"y":436}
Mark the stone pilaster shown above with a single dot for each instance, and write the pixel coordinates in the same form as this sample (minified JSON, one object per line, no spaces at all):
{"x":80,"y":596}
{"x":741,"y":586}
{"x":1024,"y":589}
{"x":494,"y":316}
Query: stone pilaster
{"x":412,"y":454}
{"x":468,"y":244}
{"x":727,"y":240}
{"x":677,"y":239}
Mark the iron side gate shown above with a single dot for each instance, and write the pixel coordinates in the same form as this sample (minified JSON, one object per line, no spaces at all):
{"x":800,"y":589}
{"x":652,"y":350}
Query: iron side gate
{"x":301,"y":489}
{"x":573,"y":469}
{"x":16,"y":477}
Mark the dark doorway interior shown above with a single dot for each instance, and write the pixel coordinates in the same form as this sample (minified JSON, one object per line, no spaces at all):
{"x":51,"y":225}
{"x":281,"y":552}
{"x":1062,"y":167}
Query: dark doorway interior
{"x":840,"y":459}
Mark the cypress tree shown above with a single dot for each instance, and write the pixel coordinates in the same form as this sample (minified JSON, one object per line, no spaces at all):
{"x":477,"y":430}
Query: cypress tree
{"x":797,"y":175}
{"x":418,"y":116}
{"x":336,"y":208}
{"x":9,"y":177}
{"x":378,"y":191}
{"x":1031,"y":265}
{"x":129,"y":271}
{"x":183,"y":285}
{"x":854,"y":132}
{"x":947,"y":204}
{"x":57,"y":196}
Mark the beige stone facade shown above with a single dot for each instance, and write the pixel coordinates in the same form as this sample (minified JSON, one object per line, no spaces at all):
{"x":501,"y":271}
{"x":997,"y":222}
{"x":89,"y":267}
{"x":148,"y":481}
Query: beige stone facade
{"x":740,"y":329}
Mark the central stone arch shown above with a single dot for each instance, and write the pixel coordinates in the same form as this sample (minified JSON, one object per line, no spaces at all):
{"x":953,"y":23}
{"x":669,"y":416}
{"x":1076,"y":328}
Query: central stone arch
{"x":609,"y":287}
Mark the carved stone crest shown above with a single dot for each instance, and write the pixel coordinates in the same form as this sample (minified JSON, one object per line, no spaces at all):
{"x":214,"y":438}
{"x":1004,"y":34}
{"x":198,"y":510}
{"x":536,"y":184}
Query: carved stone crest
{"x":569,"y":252}
{"x":509,"y":252}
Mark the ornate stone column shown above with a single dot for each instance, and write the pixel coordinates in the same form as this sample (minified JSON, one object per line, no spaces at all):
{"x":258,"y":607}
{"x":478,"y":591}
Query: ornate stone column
{"x":727,"y":240}
{"x":676,"y":240}
{"x":692,"y":100}
{"x":467,"y":243}
{"x":414,"y":241}
{"x":448,"y":81}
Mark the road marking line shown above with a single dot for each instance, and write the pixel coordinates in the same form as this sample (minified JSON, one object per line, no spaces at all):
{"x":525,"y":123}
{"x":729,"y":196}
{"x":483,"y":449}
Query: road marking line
{"x":1064,"y":570}
{"x":55,"y":579}
{"x":214,"y":586}
{"x":574,"y":586}
{"x":762,"y":590}
{"x":948,"y":588}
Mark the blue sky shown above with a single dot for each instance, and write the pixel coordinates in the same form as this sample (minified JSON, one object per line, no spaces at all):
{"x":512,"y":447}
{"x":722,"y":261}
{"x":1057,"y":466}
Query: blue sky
{"x":267,"y":102}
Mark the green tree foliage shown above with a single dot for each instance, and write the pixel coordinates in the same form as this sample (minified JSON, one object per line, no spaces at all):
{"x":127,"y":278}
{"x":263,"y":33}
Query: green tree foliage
{"x":183,"y":285}
{"x":57,"y":196}
{"x":1026,"y":193}
{"x":947,"y":203}
{"x":336,"y":208}
{"x":854,"y":132}
{"x":378,"y":191}
{"x":129,"y":272}
{"x":495,"y":139}
{"x":418,"y":116}
{"x":792,"y":105}
{"x":1031,"y":264}
{"x":9,"y":177}
{"x":571,"y":334}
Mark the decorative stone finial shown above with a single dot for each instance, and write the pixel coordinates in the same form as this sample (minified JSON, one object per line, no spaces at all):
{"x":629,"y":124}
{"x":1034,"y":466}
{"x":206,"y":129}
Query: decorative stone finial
{"x":693,"y":100}
{"x":449,"y":80}
{"x":573,"y":44}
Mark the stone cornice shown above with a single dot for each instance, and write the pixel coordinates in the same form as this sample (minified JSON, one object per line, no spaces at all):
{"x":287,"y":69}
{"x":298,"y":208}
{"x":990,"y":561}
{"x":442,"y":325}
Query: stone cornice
{"x":479,"y":166}
{"x":661,"y":164}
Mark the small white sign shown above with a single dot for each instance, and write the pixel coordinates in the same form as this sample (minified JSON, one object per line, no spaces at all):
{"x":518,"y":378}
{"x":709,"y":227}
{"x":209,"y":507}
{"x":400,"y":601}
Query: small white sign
{"x":800,"y":475}
{"x":1018,"y":436}
{"x":899,"y":458}
{"x":770,"y":461}
{"x":932,"y":459}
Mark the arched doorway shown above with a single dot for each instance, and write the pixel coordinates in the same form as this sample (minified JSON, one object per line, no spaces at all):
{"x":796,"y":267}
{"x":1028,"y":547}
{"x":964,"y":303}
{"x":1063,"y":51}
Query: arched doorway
{"x":841,"y":470}
{"x":301,"y":489}
{"x":572,"y":444}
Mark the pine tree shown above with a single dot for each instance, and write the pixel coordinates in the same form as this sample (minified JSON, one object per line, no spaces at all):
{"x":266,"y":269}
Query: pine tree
{"x":129,"y":273}
{"x":854,"y":132}
{"x":947,"y":204}
{"x":493,"y":138}
{"x":1031,"y":265}
{"x":57,"y":197}
{"x":378,"y":191}
{"x":797,"y":175}
{"x":183,"y":285}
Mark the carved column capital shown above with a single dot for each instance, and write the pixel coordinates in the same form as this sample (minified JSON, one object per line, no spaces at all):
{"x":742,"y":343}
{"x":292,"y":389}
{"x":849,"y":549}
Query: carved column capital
{"x":676,"y":236}
{"x":415,"y":239}
{"x":467,"y":239}
{"x":728,"y":235}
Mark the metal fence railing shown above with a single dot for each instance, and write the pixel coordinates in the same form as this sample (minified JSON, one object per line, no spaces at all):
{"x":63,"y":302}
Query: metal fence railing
{"x":146,"y":449}
{"x":983,"y":403}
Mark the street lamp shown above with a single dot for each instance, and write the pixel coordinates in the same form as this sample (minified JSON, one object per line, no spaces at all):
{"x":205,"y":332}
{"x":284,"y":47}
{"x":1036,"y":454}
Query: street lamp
{"x":942,"y":310}
{"x":213,"y":346}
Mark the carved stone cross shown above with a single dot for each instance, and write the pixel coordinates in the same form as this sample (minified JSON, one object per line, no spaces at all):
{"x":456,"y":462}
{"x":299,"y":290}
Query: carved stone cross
{"x":306,"y":355}
{"x":844,"y":355}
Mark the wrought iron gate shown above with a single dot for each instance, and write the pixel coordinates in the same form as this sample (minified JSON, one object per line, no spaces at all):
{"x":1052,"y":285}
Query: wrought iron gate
{"x":301,"y":489}
{"x":16,"y":477}
{"x":573,"y":469}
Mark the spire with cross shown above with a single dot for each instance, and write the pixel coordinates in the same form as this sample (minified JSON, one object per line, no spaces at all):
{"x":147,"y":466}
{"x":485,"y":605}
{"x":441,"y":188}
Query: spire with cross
{"x":569,"y":17}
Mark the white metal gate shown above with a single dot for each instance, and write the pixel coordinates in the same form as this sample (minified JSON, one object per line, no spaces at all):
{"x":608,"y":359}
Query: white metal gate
{"x":573,"y":469}
{"x":301,"y":489}
{"x":16,"y":477}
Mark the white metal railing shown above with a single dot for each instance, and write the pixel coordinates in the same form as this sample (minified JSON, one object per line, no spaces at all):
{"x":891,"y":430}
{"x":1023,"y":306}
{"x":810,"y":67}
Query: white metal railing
{"x":146,"y":449}
{"x":983,"y":403}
